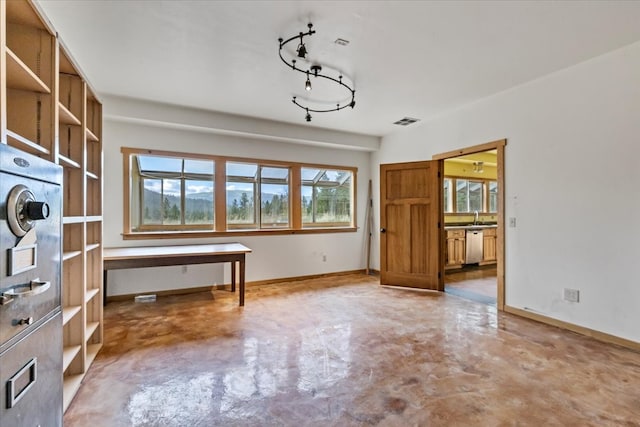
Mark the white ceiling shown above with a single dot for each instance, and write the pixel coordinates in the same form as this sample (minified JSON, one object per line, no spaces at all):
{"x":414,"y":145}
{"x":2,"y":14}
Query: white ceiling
{"x":407,"y":58}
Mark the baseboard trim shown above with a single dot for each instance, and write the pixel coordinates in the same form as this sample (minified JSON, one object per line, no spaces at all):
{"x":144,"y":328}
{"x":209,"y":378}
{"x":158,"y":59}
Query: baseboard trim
{"x":169,"y":292}
{"x":600,"y":336}
{"x":165,"y":293}
{"x":308,"y":277}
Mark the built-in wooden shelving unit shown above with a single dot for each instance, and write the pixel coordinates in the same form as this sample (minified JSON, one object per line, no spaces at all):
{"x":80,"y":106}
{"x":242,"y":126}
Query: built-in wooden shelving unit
{"x":47,"y":108}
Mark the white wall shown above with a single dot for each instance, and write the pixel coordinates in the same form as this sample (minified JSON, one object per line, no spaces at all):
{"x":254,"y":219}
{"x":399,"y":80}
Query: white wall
{"x":572,"y":183}
{"x":132,"y":123}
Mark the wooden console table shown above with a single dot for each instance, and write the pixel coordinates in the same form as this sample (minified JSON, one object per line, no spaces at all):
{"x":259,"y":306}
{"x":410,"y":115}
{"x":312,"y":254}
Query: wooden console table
{"x":158,"y":256}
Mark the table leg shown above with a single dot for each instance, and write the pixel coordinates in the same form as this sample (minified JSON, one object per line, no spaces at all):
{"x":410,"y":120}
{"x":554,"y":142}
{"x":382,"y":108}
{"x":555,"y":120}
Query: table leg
{"x":233,"y":276}
{"x":242,"y":281}
{"x":104,"y":287}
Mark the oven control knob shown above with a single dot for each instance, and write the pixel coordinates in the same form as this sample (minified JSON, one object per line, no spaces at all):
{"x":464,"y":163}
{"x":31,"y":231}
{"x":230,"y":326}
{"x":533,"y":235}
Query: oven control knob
{"x":37,"y":210}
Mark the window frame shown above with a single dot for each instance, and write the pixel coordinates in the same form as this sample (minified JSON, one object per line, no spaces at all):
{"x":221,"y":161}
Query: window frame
{"x":220,"y":209}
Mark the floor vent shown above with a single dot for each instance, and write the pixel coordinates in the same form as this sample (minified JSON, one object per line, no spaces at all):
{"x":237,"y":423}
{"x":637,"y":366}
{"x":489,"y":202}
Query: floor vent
{"x":406,"y":121}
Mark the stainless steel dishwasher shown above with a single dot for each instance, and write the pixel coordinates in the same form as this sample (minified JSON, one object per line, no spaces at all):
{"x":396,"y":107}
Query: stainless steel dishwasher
{"x":474,"y":244}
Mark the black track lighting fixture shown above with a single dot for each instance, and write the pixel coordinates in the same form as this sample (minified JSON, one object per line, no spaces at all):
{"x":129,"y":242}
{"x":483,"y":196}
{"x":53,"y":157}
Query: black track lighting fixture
{"x":302,"y":50}
{"x":314,"y":70}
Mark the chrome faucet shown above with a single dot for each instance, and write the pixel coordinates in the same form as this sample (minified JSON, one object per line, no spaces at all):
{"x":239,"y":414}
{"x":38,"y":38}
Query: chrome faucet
{"x":475,"y":217}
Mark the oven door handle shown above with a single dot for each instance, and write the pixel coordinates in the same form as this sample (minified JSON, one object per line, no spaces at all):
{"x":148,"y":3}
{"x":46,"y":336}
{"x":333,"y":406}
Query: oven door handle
{"x":35,"y":287}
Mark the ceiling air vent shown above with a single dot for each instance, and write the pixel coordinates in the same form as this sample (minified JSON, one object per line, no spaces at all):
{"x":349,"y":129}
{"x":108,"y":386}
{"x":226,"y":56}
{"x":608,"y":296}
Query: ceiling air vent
{"x":406,"y":121}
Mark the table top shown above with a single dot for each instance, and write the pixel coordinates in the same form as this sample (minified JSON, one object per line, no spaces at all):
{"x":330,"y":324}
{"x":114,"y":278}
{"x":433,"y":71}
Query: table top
{"x":173,"y":250}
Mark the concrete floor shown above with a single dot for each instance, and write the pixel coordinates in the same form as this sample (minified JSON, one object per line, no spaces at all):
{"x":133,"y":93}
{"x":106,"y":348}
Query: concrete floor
{"x":347,"y":352}
{"x":475,"y":283}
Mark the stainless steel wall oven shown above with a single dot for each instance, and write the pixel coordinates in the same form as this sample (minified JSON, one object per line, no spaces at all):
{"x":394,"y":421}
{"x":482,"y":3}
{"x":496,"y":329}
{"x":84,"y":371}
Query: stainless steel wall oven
{"x":30,"y":290}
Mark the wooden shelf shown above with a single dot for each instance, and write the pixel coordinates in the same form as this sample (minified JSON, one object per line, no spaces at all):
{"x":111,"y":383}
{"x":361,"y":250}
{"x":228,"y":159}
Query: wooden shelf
{"x":91,"y":328}
{"x":67,"y":117}
{"x":94,"y":218}
{"x":92,"y":352}
{"x":92,"y":175}
{"x":20,"y":76}
{"x":68,"y":354}
{"x":69,"y":312}
{"x":72,"y":219}
{"x":89,"y":295}
{"x":70,"y":254}
{"x":92,"y":246}
{"x":26,"y":144}
{"x":67,"y":162}
{"x":70,"y":387}
{"x":91,"y":136}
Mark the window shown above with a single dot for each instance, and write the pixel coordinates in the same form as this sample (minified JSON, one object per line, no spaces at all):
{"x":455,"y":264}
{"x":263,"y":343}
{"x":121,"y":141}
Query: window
{"x":448,"y":195}
{"x":241,"y":189}
{"x":274,"y":197}
{"x":326,"y":197}
{"x":463,"y":195}
{"x":257,"y":192}
{"x":475,"y":196}
{"x":170,"y":194}
{"x":469,"y":195}
{"x":493,"y":196}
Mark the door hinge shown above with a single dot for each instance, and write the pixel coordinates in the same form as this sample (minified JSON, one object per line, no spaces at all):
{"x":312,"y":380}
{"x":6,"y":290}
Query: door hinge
{"x":438,"y":224}
{"x":439,"y":275}
{"x":438,"y":174}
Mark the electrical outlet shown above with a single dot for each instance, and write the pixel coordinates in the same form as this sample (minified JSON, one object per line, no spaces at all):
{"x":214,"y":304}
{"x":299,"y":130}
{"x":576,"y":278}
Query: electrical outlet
{"x":571,"y":295}
{"x":512,"y":222}
{"x":184,"y":269}
{"x":324,"y":258}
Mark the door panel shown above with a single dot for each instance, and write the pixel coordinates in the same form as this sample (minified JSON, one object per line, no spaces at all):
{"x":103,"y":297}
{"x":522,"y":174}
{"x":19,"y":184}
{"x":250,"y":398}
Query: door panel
{"x":396,"y":231}
{"x":419,"y":252}
{"x":410,"y":215}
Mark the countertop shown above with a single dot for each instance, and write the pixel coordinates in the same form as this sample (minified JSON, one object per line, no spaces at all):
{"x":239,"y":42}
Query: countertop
{"x":469,"y":226}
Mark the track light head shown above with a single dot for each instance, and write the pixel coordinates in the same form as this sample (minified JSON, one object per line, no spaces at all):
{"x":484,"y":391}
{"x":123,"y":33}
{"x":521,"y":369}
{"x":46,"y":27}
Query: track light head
{"x":302,"y":50}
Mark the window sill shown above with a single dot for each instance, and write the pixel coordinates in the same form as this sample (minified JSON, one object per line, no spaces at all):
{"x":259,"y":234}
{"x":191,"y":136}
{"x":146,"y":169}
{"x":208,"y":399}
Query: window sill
{"x":208,"y":234}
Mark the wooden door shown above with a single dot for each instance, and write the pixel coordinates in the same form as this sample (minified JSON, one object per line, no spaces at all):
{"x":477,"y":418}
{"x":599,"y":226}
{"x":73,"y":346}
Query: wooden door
{"x":411,"y":245}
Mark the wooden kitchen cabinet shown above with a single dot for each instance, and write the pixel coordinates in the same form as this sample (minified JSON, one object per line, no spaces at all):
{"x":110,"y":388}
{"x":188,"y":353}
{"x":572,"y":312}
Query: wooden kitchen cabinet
{"x":489,"y":246}
{"x":455,"y":249}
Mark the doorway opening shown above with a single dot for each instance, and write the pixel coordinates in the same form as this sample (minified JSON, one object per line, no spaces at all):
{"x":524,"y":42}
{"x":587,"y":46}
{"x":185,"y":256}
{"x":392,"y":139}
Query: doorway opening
{"x":473,"y":232}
